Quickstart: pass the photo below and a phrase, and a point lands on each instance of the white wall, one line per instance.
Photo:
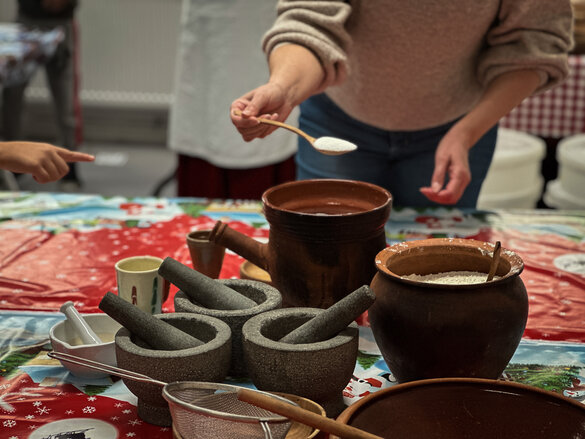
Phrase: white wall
(128, 50)
(127, 69)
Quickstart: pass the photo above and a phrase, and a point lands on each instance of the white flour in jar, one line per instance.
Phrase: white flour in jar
(332, 144)
(450, 277)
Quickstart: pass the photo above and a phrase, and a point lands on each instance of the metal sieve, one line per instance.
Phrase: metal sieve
(204, 410)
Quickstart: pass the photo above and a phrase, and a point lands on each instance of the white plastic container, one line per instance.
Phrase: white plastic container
(568, 190)
(514, 179)
(526, 198)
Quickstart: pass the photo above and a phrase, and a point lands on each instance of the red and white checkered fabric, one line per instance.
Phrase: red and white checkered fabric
(558, 112)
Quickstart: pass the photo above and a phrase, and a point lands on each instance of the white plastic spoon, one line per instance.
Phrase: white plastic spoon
(325, 145)
(87, 335)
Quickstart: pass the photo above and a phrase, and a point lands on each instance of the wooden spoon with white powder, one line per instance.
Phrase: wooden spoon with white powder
(325, 145)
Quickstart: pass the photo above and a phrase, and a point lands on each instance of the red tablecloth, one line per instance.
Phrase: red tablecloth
(55, 248)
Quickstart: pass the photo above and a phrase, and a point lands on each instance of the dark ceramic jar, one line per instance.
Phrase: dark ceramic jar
(427, 330)
(324, 235)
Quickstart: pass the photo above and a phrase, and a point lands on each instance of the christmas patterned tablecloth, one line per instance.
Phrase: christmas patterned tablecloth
(59, 247)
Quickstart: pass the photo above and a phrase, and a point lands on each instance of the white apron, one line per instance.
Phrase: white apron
(219, 59)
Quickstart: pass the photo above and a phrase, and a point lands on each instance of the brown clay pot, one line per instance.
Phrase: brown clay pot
(324, 235)
(448, 408)
(426, 330)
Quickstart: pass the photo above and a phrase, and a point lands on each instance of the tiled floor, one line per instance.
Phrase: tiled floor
(130, 170)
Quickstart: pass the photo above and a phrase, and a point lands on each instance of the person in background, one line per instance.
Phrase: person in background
(419, 86)
(219, 56)
(43, 161)
(62, 78)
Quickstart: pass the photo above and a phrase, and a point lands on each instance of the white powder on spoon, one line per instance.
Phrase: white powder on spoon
(451, 278)
(333, 144)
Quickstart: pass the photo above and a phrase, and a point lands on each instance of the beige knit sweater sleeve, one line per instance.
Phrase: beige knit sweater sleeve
(534, 34)
(317, 25)
(414, 64)
(529, 34)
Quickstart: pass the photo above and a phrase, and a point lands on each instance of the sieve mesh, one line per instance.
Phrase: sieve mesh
(212, 410)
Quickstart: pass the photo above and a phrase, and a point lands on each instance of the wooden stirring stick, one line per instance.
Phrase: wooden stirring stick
(303, 416)
(495, 261)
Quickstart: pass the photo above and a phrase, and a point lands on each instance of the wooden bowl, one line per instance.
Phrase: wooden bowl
(251, 271)
(297, 430)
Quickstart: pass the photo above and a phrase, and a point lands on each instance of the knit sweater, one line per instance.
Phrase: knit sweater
(415, 64)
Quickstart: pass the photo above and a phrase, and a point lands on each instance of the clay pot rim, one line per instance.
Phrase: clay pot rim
(348, 413)
(483, 247)
(123, 338)
(327, 181)
(193, 235)
(254, 324)
(120, 263)
(273, 299)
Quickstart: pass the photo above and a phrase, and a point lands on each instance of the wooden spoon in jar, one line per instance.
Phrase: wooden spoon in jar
(495, 261)
(325, 145)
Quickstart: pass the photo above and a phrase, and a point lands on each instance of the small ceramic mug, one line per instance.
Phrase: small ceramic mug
(140, 284)
(207, 256)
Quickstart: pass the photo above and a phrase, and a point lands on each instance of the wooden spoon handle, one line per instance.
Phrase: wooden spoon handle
(294, 129)
(495, 261)
(303, 416)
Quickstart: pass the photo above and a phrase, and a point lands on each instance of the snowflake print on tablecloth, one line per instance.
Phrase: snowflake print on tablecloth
(9, 423)
(43, 410)
(37, 412)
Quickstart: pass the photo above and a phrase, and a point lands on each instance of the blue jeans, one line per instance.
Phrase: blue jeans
(400, 161)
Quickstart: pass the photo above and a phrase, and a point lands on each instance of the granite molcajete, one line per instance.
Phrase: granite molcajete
(309, 352)
(266, 297)
(231, 300)
(324, 235)
(207, 362)
(201, 351)
(427, 330)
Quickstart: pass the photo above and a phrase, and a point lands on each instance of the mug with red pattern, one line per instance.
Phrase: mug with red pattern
(140, 284)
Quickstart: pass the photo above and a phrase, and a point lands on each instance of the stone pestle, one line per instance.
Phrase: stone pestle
(334, 319)
(202, 289)
(153, 331)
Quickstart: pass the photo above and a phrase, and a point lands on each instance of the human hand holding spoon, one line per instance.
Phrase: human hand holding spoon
(325, 145)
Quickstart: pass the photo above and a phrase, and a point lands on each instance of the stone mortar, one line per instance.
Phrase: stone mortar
(209, 362)
(267, 297)
(318, 371)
